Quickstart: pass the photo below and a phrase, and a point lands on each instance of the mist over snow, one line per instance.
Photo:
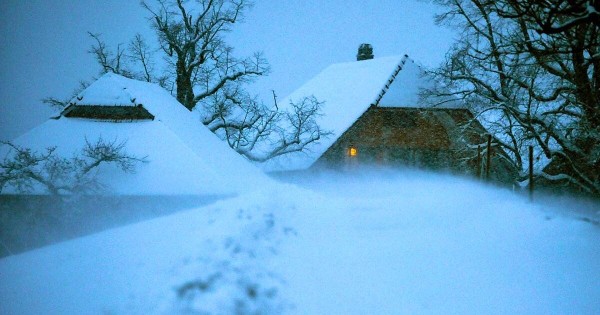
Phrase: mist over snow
(380, 242)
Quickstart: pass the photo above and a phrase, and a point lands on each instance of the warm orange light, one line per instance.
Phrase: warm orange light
(352, 151)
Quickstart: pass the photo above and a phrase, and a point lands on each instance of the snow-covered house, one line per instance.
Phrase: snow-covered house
(372, 109)
(186, 165)
(183, 156)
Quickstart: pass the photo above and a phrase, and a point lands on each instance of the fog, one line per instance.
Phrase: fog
(33, 221)
(373, 182)
(379, 241)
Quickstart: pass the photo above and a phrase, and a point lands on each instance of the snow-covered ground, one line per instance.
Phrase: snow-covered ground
(365, 243)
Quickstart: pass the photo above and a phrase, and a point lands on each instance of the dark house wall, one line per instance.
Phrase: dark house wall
(435, 139)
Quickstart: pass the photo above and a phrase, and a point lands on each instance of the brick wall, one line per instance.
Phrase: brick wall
(433, 139)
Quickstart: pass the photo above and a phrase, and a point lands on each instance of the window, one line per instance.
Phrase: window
(352, 151)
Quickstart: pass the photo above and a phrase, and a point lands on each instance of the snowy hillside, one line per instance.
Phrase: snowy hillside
(386, 243)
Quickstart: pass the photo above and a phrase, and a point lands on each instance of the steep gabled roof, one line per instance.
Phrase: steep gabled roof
(348, 90)
(184, 156)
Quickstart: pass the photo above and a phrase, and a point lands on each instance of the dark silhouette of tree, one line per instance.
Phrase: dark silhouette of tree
(528, 86)
(552, 16)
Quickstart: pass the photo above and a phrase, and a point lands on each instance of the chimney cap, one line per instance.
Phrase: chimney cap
(365, 52)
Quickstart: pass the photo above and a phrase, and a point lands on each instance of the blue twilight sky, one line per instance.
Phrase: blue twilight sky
(45, 43)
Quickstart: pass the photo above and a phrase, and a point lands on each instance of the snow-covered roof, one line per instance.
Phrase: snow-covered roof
(184, 156)
(348, 90)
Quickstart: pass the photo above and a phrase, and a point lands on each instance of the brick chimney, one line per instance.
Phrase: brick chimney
(365, 52)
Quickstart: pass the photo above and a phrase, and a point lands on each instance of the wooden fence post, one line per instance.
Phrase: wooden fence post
(531, 172)
(478, 161)
(489, 158)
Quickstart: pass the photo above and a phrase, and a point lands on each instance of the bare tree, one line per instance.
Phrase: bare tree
(527, 87)
(553, 16)
(61, 104)
(203, 74)
(122, 61)
(276, 132)
(110, 62)
(210, 79)
(24, 169)
(192, 38)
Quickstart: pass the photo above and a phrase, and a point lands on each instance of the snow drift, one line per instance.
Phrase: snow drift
(386, 243)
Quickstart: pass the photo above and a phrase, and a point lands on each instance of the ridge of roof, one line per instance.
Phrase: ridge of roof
(391, 80)
(118, 89)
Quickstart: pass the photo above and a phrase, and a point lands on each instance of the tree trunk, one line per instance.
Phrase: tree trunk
(185, 92)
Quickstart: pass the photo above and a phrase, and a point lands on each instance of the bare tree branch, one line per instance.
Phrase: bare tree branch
(23, 169)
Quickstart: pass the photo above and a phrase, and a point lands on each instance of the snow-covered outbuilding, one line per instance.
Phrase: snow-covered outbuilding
(186, 165)
(373, 110)
(183, 156)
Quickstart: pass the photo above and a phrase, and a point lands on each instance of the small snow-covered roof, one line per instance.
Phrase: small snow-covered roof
(185, 157)
(348, 90)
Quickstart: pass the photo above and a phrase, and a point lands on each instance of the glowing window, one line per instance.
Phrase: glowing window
(352, 151)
